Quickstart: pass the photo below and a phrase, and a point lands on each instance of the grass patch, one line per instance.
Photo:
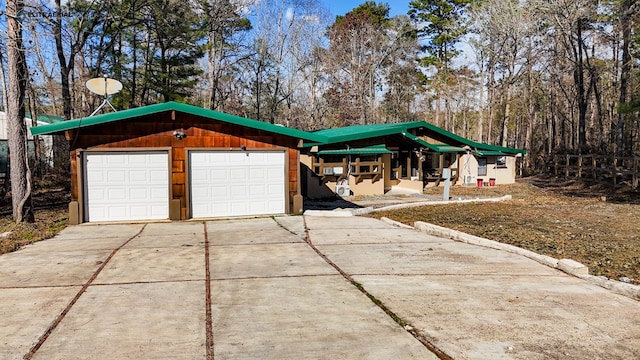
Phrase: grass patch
(48, 223)
(593, 224)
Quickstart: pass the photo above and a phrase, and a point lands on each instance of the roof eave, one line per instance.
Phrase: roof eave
(59, 128)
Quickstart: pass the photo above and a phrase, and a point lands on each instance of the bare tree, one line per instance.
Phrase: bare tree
(88, 15)
(505, 27)
(16, 128)
(225, 22)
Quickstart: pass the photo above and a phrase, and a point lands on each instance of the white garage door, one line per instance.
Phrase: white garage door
(234, 183)
(127, 186)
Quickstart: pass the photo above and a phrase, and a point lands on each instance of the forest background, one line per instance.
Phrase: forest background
(550, 76)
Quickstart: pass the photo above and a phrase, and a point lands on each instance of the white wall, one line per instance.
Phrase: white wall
(503, 175)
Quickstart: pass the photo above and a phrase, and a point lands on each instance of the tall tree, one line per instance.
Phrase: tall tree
(365, 45)
(357, 41)
(178, 33)
(625, 71)
(441, 24)
(224, 23)
(16, 128)
(403, 80)
(81, 17)
(504, 28)
(283, 41)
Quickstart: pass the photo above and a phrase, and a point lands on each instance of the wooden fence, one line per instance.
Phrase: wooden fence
(601, 168)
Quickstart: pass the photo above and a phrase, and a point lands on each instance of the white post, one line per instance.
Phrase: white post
(446, 174)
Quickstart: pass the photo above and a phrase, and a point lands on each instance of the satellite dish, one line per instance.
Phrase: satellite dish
(103, 86)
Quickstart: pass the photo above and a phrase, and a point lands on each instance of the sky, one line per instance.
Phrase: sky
(341, 7)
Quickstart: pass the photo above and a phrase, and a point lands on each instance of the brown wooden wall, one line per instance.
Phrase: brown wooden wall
(156, 132)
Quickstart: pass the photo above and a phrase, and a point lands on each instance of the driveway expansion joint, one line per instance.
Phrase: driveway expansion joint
(209, 316)
(276, 277)
(147, 282)
(418, 335)
(75, 299)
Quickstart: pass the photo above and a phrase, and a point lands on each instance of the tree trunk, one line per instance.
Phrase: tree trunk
(64, 69)
(481, 107)
(507, 115)
(16, 129)
(37, 147)
(580, 87)
(624, 73)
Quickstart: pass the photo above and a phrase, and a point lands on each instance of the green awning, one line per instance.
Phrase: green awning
(444, 148)
(369, 150)
(489, 153)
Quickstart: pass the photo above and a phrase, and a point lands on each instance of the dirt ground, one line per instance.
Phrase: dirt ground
(593, 224)
(51, 216)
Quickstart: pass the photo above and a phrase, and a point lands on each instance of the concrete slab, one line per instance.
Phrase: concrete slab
(149, 265)
(173, 228)
(266, 260)
(293, 224)
(164, 241)
(354, 222)
(99, 231)
(304, 318)
(514, 317)
(370, 236)
(26, 313)
(134, 321)
(35, 266)
(445, 258)
(257, 224)
(61, 244)
(274, 297)
(269, 235)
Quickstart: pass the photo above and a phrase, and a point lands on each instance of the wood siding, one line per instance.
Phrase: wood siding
(156, 132)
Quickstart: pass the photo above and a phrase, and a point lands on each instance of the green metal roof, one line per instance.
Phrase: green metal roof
(444, 148)
(440, 148)
(369, 150)
(359, 132)
(489, 153)
(174, 106)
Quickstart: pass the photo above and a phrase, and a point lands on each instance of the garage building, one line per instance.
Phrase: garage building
(176, 161)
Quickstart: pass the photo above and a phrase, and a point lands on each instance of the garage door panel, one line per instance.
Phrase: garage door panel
(257, 173)
(274, 189)
(139, 176)
(238, 157)
(220, 174)
(200, 175)
(117, 194)
(159, 176)
(115, 159)
(257, 190)
(138, 211)
(239, 183)
(116, 176)
(200, 192)
(237, 174)
(127, 186)
(238, 191)
(139, 194)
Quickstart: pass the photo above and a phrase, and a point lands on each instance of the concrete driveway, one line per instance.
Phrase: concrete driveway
(256, 289)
